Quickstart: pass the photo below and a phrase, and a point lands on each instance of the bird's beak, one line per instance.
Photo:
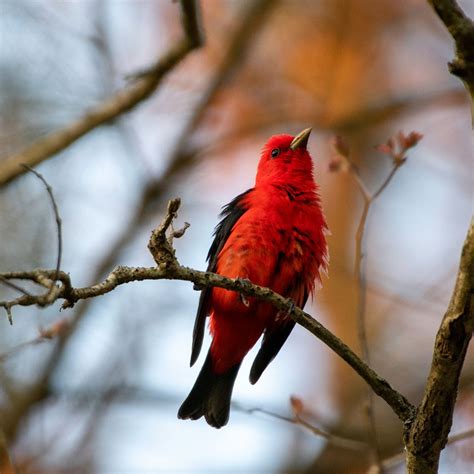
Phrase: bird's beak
(301, 140)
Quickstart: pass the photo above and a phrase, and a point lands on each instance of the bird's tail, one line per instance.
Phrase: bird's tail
(210, 396)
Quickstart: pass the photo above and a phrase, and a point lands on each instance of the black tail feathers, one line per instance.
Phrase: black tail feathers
(210, 396)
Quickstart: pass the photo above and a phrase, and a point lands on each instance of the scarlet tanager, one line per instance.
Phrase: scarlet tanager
(274, 235)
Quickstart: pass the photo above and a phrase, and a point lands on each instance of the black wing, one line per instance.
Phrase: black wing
(230, 214)
(273, 339)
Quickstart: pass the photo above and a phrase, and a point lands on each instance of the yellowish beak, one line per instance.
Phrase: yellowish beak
(301, 140)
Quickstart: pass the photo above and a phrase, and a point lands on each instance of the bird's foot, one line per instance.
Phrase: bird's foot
(291, 306)
(244, 281)
(284, 314)
(243, 298)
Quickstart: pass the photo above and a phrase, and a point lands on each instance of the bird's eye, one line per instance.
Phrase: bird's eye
(275, 152)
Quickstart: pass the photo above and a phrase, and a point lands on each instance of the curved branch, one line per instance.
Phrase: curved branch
(58, 220)
(169, 268)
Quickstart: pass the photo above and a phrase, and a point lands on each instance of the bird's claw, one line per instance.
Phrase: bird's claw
(244, 300)
(243, 282)
(291, 306)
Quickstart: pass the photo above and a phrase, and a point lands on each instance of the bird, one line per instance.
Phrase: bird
(273, 234)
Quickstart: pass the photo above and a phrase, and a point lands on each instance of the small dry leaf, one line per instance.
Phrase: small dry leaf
(296, 405)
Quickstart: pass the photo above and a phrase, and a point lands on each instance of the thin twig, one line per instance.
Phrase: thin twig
(14, 286)
(49, 190)
(461, 436)
(8, 309)
(396, 149)
(15, 350)
(336, 440)
(386, 182)
(359, 271)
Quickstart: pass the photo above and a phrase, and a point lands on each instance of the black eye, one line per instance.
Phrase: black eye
(275, 152)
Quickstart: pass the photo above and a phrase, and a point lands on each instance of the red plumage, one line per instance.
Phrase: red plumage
(273, 235)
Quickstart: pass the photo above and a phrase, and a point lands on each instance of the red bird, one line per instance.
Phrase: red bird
(274, 235)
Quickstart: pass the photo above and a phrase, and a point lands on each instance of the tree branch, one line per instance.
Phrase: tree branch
(57, 217)
(169, 268)
(429, 433)
(123, 101)
(461, 29)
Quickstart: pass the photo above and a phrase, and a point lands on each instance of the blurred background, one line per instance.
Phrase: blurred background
(104, 400)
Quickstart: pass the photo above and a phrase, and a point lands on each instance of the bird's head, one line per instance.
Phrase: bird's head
(285, 159)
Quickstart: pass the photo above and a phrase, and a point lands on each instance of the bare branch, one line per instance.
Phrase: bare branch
(14, 286)
(461, 436)
(123, 101)
(169, 268)
(461, 29)
(429, 433)
(58, 224)
(359, 271)
(336, 440)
